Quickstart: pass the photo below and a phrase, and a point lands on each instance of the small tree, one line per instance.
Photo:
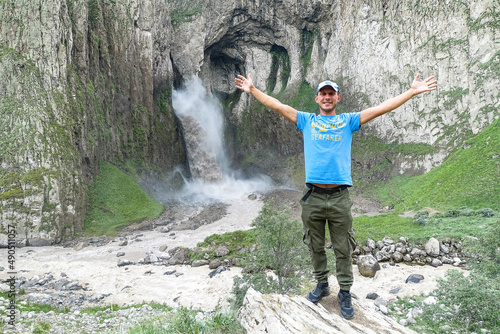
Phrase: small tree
(473, 301)
(280, 249)
(485, 252)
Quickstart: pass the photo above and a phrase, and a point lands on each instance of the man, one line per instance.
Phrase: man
(327, 154)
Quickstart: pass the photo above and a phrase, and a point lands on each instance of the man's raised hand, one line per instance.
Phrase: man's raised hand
(423, 86)
(245, 84)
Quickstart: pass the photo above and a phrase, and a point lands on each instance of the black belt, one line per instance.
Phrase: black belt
(319, 190)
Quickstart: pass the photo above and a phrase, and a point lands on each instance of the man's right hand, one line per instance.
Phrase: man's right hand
(245, 84)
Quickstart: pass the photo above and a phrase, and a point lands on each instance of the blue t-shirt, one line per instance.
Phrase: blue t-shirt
(327, 146)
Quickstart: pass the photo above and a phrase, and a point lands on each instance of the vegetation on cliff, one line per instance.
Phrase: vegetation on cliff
(115, 201)
(468, 177)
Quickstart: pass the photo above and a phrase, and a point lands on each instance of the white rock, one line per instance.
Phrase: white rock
(384, 309)
(431, 300)
(432, 247)
(296, 315)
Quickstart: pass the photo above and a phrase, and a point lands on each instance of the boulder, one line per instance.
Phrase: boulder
(296, 315)
(150, 258)
(397, 257)
(199, 263)
(221, 251)
(181, 256)
(368, 265)
(215, 264)
(414, 278)
(432, 247)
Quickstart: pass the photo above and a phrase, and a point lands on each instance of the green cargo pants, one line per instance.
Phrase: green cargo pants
(334, 209)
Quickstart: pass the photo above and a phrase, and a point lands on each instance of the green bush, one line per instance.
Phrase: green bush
(486, 212)
(280, 250)
(260, 281)
(466, 212)
(421, 218)
(485, 252)
(467, 302)
(186, 321)
(41, 327)
(452, 213)
(280, 246)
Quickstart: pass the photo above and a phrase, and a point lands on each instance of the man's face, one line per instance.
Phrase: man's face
(327, 99)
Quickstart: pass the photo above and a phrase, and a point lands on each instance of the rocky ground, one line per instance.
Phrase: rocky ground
(85, 272)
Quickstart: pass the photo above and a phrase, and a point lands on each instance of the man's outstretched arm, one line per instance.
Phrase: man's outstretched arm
(246, 85)
(417, 87)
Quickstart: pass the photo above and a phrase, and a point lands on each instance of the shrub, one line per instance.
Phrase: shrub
(41, 327)
(466, 212)
(452, 213)
(486, 212)
(472, 301)
(280, 245)
(261, 282)
(281, 257)
(421, 218)
(485, 251)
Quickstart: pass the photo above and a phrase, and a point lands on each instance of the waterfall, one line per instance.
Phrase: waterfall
(203, 124)
(203, 131)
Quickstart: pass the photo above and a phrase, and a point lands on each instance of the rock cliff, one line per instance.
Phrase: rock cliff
(84, 81)
(372, 49)
(80, 82)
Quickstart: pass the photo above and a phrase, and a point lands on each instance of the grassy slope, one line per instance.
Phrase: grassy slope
(468, 177)
(441, 228)
(115, 201)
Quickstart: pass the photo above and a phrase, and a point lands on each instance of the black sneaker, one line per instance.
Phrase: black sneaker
(319, 292)
(346, 309)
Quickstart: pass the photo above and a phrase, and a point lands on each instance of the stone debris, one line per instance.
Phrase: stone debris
(414, 278)
(75, 321)
(434, 252)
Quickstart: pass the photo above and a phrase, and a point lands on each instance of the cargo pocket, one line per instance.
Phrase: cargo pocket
(306, 238)
(352, 241)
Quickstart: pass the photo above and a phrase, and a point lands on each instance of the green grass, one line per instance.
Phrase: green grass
(184, 15)
(184, 321)
(468, 177)
(116, 201)
(234, 241)
(439, 227)
(33, 307)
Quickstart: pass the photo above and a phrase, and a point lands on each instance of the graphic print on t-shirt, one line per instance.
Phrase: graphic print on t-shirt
(318, 131)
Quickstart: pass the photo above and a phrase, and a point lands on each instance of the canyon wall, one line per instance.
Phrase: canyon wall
(372, 49)
(80, 82)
